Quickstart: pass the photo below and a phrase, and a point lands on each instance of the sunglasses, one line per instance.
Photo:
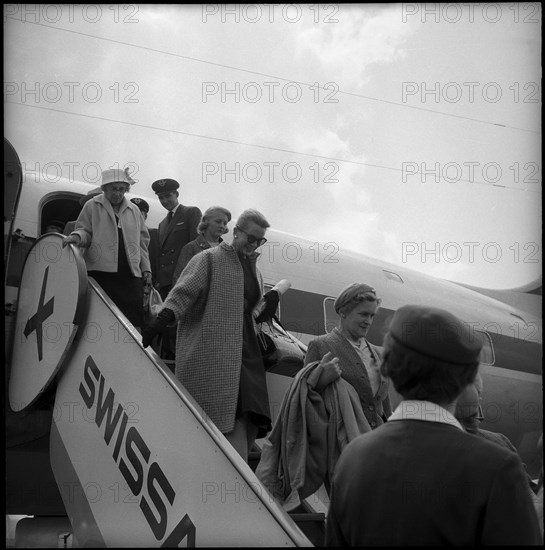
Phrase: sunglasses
(251, 239)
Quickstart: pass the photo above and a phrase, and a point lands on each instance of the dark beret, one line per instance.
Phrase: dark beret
(436, 333)
(165, 186)
(141, 203)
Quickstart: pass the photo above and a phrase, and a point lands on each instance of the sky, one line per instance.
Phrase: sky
(408, 132)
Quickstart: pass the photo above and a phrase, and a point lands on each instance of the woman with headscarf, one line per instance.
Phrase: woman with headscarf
(211, 227)
(114, 235)
(358, 361)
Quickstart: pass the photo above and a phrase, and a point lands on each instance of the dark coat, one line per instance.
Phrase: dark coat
(418, 483)
(188, 251)
(154, 254)
(173, 237)
(355, 373)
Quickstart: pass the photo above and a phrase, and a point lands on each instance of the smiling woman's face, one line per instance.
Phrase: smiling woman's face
(357, 322)
(252, 232)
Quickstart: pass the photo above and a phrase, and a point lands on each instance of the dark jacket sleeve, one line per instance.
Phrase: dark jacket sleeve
(333, 533)
(188, 251)
(510, 517)
(313, 352)
(194, 218)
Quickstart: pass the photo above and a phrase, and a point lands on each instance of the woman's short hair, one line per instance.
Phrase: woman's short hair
(209, 213)
(418, 376)
(252, 215)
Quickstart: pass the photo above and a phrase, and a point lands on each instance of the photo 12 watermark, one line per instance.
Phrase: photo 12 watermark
(471, 172)
(471, 252)
(472, 12)
(71, 92)
(269, 172)
(270, 13)
(50, 14)
(90, 172)
(269, 92)
(470, 92)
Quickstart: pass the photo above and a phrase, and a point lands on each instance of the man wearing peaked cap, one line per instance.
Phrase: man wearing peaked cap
(420, 479)
(177, 229)
(165, 186)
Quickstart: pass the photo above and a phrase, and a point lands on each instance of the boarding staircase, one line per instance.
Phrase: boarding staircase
(134, 459)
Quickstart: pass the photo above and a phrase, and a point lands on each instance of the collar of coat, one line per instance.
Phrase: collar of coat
(203, 243)
(231, 249)
(125, 203)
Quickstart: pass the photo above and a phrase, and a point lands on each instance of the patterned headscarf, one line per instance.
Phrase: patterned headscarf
(350, 292)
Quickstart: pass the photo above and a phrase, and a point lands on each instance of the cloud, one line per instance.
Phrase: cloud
(360, 38)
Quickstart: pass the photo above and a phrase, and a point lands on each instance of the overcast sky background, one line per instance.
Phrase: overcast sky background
(457, 89)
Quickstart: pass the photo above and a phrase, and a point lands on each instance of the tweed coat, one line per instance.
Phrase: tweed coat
(173, 237)
(97, 228)
(208, 302)
(420, 483)
(354, 372)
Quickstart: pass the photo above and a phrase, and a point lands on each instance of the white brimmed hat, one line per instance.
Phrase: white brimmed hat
(114, 175)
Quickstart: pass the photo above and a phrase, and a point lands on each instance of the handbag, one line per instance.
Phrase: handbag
(153, 305)
(281, 352)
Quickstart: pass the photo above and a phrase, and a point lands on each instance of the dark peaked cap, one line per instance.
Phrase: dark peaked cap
(165, 186)
(436, 333)
(141, 203)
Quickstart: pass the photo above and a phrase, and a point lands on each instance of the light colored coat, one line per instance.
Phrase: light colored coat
(208, 302)
(97, 229)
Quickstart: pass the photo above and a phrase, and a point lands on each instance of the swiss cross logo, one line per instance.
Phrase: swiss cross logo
(50, 307)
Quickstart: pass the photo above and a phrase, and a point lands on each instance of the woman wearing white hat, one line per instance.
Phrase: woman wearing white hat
(114, 235)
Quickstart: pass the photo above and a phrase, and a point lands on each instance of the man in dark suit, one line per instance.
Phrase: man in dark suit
(177, 229)
(420, 479)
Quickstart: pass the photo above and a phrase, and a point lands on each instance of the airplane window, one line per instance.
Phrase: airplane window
(331, 318)
(487, 353)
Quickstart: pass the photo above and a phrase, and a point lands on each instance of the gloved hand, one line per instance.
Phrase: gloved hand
(71, 239)
(164, 318)
(272, 298)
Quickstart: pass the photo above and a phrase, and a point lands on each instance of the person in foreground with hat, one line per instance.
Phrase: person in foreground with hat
(420, 479)
(358, 361)
(211, 227)
(114, 234)
(218, 359)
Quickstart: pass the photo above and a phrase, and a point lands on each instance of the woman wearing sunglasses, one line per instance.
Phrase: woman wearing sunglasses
(218, 359)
